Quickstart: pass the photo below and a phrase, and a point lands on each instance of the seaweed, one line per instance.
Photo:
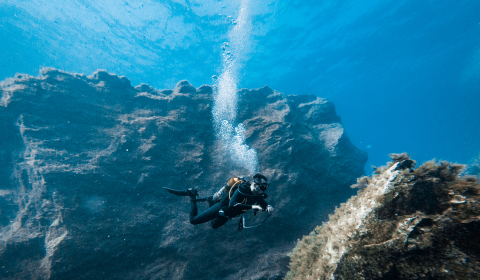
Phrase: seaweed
(404, 222)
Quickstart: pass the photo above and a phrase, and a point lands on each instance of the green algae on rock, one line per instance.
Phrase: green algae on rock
(404, 223)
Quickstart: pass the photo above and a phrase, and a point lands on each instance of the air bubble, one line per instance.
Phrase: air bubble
(225, 88)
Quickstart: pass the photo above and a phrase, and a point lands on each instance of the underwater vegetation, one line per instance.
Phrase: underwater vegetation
(404, 223)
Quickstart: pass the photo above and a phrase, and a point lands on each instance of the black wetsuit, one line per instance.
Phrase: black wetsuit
(242, 200)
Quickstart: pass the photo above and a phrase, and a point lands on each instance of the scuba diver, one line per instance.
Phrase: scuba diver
(232, 200)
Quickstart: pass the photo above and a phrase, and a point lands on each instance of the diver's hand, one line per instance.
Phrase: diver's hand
(257, 207)
(270, 209)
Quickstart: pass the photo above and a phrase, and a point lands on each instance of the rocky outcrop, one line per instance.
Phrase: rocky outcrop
(404, 223)
(85, 159)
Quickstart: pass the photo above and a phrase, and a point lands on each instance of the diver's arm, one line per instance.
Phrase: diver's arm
(257, 207)
(242, 206)
(234, 201)
(262, 203)
(236, 198)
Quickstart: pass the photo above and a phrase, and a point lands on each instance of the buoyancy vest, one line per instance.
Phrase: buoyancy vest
(242, 200)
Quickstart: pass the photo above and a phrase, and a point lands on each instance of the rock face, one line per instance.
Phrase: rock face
(405, 223)
(84, 161)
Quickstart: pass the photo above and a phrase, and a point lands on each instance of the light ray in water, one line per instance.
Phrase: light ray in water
(226, 98)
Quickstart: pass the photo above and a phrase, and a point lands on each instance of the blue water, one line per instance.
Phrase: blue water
(403, 75)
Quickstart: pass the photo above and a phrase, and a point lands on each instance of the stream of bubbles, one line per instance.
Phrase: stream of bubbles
(226, 93)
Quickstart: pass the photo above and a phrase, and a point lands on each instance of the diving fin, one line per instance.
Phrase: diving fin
(187, 192)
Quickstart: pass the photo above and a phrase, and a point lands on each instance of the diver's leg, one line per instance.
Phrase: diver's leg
(218, 222)
(207, 215)
(193, 208)
(210, 201)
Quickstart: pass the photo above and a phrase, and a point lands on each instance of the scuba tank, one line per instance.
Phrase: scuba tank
(225, 190)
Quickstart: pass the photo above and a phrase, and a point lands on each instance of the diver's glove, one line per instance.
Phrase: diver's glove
(257, 207)
(270, 209)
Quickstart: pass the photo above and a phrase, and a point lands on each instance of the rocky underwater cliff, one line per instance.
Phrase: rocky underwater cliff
(404, 223)
(84, 160)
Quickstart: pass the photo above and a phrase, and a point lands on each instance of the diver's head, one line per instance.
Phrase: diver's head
(259, 185)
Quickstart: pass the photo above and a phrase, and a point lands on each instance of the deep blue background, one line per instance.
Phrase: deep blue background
(403, 75)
